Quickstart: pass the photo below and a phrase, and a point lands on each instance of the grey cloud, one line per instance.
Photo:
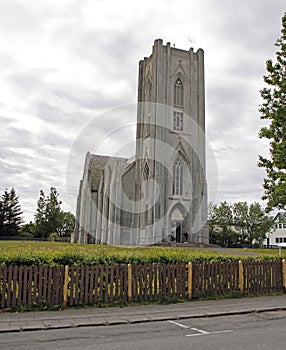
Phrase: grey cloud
(12, 133)
(27, 82)
(48, 112)
(93, 100)
(238, 174)
(113, 52)
(15, 16)
(27, 17)
(250, 22)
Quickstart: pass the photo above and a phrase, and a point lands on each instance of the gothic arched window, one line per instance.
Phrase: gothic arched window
(147, 118)
(146, 171)
(178, 178)
(179, 93)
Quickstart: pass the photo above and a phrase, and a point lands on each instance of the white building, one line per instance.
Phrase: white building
(278, 234)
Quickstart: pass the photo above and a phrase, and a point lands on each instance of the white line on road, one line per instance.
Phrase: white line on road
(179, 324)
(226, 331)
(207, 333)
(200, 331)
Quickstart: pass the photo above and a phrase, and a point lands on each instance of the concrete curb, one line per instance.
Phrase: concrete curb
(144, 319)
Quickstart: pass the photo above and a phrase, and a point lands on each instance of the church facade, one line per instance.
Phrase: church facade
(161, 194)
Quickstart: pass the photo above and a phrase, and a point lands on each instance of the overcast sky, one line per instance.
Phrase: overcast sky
(63, 63)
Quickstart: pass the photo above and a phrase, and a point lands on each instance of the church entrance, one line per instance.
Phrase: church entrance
(176, 229)
(179, 232)
(176, 226)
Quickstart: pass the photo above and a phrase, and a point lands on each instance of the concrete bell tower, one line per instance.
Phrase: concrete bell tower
(170, 147)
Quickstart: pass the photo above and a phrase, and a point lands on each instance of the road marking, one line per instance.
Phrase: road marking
(207, 333)
(226, 331)
(200, 331)
(179, 324)
(187, 327)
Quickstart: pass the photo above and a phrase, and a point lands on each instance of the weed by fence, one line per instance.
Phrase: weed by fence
(122, 284)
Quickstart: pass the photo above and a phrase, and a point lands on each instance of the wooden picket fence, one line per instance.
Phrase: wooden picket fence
(218, 278)
(151, 282)
(105, 284)
(24, 285)
(263, 276)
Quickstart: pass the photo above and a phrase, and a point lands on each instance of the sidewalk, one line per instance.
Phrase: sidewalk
(92, 317)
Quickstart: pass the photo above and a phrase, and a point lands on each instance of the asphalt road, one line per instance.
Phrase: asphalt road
(253, 331)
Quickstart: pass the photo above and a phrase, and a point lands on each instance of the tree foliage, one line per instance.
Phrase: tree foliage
(10, 213)
(40, 216)
(273, 109)
(49, 217)
(67, 224)
(238, 224)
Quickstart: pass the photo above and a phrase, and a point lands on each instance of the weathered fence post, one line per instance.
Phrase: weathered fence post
(190, 280)
(66, 281)
(284, 274)
(241, 279)
(129, 282)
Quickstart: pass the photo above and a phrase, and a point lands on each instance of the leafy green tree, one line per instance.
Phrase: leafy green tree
(240, 219)
(273, 109)
(10, 213)
(238, 224)
(48, 213)
(49, 217)
(1, 216)
(40, 216)
(67, 224)
(212, 223)
(221, 225)
(225, 219)
(53, 213)
(258, 223)
(28, 229)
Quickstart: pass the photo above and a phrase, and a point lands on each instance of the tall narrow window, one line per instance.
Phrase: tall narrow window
(148, 110)
(178, 93)
(178, 103)
(178, 178)
(146, 171)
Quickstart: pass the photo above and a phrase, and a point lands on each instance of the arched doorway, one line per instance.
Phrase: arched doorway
(177, 219)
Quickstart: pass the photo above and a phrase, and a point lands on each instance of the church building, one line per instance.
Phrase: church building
(160, 195)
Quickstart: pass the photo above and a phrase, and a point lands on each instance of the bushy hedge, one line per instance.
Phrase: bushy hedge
(31, 253)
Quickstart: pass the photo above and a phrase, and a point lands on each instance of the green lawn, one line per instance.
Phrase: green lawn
(262, 251)
(55, 253)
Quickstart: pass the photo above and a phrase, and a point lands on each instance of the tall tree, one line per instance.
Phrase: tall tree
(220, 223)
(274, 110)
(258, 224)
(1, 216)
(10, 213)
(40, 216)
(240, 220)
(49, 217)
(225, 218)
(53, 211)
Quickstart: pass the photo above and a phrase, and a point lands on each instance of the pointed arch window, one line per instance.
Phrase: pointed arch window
(178, 178)
(146, 171)
(179, 93)
(148, 98)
